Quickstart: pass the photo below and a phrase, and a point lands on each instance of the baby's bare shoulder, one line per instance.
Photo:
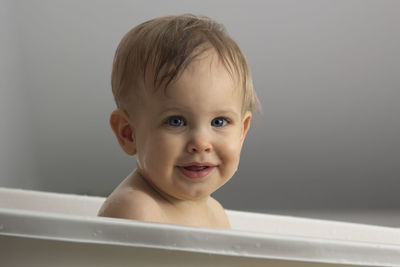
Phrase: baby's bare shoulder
(219, 214)
(132, 204)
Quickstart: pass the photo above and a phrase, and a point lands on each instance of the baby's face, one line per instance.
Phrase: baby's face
(188, 140)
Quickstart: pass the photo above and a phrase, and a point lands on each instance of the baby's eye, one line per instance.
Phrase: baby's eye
(176, 121)
(219, 122)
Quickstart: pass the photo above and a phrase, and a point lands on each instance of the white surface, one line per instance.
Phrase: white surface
(55, 217)
(382, 217)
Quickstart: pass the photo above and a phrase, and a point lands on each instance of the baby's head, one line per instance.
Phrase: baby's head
(185, 96)
(155, 53)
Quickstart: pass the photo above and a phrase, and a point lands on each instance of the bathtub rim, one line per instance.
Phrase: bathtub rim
(77, 213)
(112, 231)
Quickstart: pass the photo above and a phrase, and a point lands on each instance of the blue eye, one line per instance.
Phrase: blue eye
(219, 122)
(176, 121)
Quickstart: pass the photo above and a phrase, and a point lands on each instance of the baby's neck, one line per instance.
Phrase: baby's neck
(177, 211)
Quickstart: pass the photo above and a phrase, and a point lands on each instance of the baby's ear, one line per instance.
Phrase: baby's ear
(124, 131)
(246, 124)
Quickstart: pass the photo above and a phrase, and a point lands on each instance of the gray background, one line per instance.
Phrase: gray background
(327, 74)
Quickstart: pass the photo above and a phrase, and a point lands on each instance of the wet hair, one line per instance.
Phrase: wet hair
(160, 49)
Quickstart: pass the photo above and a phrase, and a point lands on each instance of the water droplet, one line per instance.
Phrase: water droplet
(1, 227)
(97, 232)
(258, 245)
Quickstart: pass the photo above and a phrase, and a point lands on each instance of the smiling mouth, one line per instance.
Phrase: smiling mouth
(196, 168)
(196, 172)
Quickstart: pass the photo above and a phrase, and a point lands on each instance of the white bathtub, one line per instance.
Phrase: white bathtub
(51, 229)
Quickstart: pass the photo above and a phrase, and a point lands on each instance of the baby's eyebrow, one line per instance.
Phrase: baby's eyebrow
(172, 109)
(228, 111)
(183, 109)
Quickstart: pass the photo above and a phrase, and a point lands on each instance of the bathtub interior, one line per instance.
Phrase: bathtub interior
(253, 235)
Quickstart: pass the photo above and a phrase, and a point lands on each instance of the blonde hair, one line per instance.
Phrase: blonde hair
(165, 46)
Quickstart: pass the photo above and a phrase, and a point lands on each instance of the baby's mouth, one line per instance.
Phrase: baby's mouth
(196, 168)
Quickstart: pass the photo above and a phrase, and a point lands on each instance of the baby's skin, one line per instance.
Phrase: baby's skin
(137, 199)
(187, 142)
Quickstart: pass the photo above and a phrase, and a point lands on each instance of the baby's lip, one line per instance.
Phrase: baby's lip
(200, 164)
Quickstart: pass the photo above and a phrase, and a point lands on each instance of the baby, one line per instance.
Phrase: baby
(185, 100)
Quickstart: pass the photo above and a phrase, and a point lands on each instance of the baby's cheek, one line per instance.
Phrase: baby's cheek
(165, 150)
(149, 153)
(231, 152)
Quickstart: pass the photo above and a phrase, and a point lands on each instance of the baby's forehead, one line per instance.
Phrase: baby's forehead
(161, 76)
(208, 65)
(194, 82)
(160, 101)
(183, 93)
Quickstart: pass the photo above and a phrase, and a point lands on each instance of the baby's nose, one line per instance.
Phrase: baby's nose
(199, 143)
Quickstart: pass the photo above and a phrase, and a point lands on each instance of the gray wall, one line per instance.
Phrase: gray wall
(326, 72)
